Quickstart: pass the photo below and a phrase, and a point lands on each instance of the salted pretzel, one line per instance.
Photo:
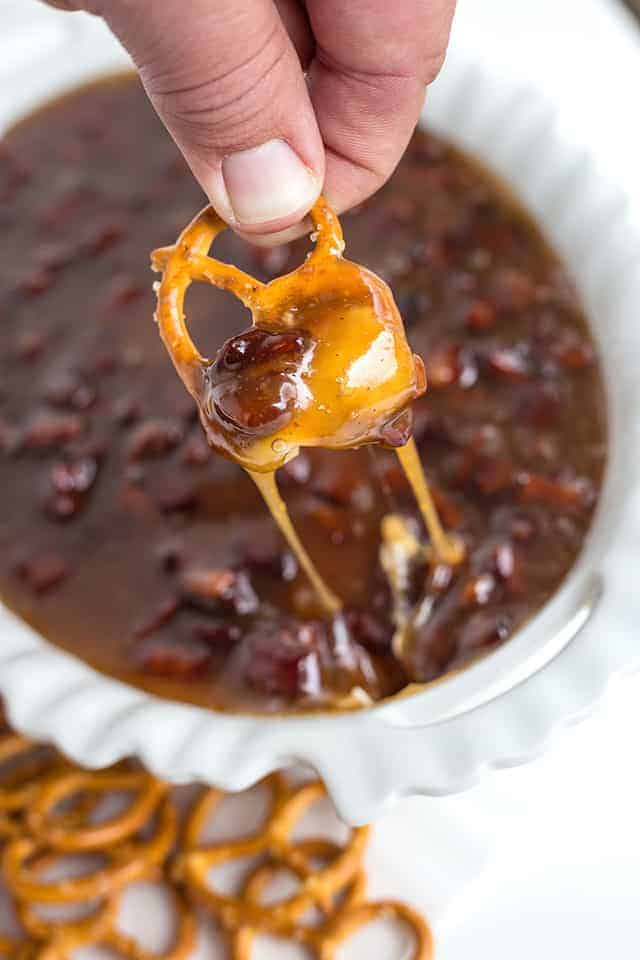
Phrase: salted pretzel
(274, 841)
(325, 363)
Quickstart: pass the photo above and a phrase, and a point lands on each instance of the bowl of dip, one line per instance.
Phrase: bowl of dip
(143, 603)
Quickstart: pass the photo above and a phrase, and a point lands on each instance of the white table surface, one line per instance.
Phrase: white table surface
(563, 846)
(543, 860)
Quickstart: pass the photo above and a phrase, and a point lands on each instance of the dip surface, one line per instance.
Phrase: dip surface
(126, 541)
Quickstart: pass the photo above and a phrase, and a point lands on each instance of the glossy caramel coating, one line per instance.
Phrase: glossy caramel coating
(325, 364)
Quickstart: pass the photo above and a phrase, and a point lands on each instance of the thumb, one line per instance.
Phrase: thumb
(227, 82)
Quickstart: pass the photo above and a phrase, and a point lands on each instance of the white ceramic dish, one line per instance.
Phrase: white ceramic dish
(506, 708)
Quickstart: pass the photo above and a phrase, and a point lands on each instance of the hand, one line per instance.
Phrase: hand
(228, 80)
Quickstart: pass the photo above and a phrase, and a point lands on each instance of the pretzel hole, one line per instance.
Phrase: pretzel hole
(229, 878)
(238, 815)
(213, 315)
(144, 899)
(9, 924)
(68, 867)
(20, 770)
(94, 808)
(383, 938)
(59, 913)
(282, 885)
(111, 806)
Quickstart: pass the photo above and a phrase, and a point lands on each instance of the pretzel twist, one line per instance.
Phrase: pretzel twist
(274, 842)
(187, 260)
(56, 820)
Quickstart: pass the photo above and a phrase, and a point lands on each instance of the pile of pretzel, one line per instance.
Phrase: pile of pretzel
(51, 811)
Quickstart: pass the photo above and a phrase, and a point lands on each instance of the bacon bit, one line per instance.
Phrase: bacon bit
(164, 657)
(123, 290)
(162, 615)
(493, 475)
(71, 482)
(47, 430)
(428, 425)
(170, 556)
(75, 477)
(54, 256)
(29, 345)
(485, 629)
(499, 559)
(70, 391)
(219, 637)
(103, 237)
(480, 315)
(542, 404)
(126, 411)
(154, 438)
(433, 650)
(195, 452)
(283, 661)
(512, 290)
(44, 571)
(104, 363)
(479, 590)
(572, 351)
(443, 365)
(219, 587)
(268, 557)
(369, 630)
(576, 495)
(510, 363)
(37, 282)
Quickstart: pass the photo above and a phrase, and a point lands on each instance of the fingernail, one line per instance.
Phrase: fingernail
(278, 237)
(268, 183)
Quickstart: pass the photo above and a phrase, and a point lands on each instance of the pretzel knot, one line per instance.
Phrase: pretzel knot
(273, 841)
(325, 363)
(342, 914)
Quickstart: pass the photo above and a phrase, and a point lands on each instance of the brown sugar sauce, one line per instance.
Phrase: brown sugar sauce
(125, 540)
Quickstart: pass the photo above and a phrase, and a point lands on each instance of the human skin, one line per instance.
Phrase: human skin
(272, 101)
